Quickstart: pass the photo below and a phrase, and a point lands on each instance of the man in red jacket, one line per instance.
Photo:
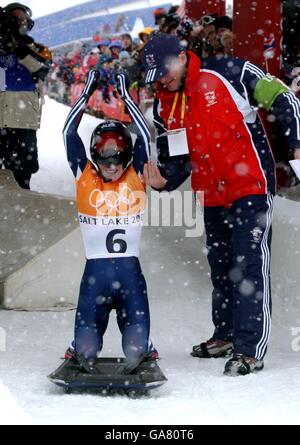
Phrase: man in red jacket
(206, 117)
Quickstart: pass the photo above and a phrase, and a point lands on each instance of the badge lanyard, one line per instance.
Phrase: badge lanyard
(177, 138)
(182, 113)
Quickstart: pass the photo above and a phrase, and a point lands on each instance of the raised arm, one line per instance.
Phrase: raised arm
(141, 151)
(74, 146)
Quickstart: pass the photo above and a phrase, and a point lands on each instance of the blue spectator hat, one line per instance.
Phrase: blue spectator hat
(115, 44)
(124, 55)
(104, 43)
(158, 54)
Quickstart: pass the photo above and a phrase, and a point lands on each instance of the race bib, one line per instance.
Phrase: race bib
(295, 164)
(106, 237)
(110, 215)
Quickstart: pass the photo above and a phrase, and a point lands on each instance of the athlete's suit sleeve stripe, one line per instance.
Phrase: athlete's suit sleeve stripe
(254, 70)
(73, 144)
(294, 102)
(136, 115)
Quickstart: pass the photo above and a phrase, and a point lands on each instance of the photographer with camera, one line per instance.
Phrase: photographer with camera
(24, 65)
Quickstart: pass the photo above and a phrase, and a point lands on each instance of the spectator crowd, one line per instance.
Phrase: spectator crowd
(211, 35)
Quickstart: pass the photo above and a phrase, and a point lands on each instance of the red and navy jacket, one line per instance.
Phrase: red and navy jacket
(229, 154)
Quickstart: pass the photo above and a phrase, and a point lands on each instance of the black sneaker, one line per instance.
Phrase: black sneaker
(86, 364)
(241, 364)
(134, 363)
(73, 357)
(213, 349)
(69, 354)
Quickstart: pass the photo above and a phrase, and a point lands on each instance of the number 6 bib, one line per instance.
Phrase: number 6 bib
(111, 214)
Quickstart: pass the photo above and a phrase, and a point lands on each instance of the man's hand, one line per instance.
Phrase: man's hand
(152, 176)
(297, 153)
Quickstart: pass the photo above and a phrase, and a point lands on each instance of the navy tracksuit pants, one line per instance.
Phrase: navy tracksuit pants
(19, 153)
(112, 283)
(239, 244)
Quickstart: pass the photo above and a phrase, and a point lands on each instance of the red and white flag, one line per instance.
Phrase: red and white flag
(181, 10)
(269, 46)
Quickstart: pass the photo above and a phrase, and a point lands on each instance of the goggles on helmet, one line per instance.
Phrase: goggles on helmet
(110, 156)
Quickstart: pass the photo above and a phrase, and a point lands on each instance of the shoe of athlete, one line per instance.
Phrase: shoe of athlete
(73, 357)
(213, 348)
(241, 364)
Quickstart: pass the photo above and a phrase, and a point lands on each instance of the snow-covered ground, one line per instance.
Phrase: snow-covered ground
(179, 293)
(54, 176)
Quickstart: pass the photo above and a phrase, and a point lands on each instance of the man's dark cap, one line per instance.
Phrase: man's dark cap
(223, 22)
(172, 21)
(159, 13)
(158, 54)
(8, 9)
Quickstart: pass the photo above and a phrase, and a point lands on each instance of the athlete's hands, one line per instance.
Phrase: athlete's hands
(92, 83)
(152, 176)
(122, 84)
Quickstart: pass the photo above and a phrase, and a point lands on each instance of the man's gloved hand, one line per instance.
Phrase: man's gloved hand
(92, 83)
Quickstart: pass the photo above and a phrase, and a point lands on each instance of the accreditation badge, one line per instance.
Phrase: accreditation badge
(295, 164)
(177, 140)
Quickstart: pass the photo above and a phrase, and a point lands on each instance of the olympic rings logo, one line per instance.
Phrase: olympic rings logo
(121, 203)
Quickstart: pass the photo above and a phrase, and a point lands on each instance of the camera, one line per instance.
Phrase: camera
(4, 32)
